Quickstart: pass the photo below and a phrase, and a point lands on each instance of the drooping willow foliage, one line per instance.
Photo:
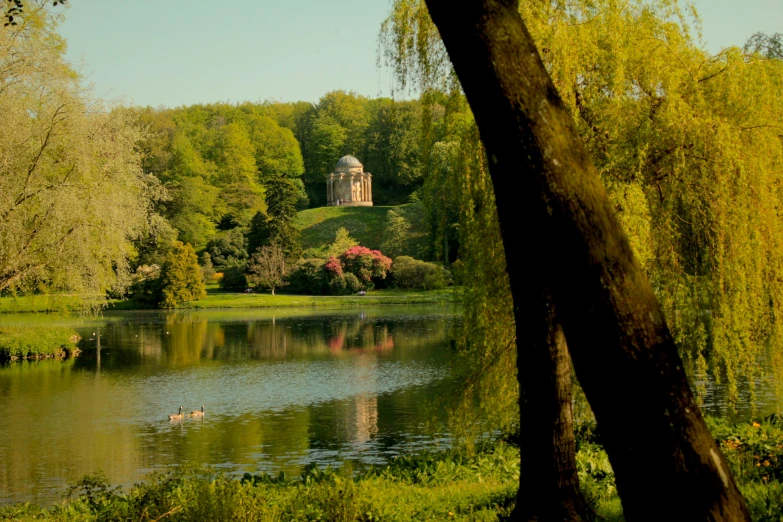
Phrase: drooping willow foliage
(690, 148)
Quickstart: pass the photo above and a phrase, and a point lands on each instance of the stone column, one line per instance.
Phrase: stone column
(369, 182)
(364, 188)
(329, 190)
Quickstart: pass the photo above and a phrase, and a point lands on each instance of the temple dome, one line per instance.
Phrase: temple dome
(348, 161)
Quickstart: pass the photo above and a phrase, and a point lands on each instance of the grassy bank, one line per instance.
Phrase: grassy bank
(365, 224)
(37, 342)
(442, 486)
(445, 486)
(216, 299)
(40, 303)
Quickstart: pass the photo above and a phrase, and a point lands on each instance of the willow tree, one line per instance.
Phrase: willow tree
(459, 196)
(72, 193)
(675, 135)
(687, 145)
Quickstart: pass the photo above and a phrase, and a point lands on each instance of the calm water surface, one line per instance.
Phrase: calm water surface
(280, 389)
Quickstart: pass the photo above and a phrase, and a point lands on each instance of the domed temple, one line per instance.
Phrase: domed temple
(349, 185)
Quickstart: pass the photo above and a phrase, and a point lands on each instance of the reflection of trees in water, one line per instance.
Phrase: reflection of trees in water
(61, 444)
(186, 338)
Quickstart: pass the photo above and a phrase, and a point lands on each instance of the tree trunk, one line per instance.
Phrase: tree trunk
(548, 482)
(273, 290)
(666, 463)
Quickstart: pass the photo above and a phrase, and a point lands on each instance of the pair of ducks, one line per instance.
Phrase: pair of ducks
(194, 413)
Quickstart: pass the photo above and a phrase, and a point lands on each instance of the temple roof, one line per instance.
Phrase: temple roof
(348, 161)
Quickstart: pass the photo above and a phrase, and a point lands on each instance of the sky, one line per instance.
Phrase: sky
(181, 52)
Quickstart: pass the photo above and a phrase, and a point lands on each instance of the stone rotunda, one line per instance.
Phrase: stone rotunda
(349, 185)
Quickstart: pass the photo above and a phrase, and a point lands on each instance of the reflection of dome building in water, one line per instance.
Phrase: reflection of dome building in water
(349, 185)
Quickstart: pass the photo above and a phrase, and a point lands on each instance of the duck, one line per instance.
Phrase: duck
(176, 416)
(197, 413)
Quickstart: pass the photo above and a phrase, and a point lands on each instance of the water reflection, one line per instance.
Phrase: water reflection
(279, 390)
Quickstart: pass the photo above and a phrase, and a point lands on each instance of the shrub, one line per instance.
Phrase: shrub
(365, 264)
(308, 277)
(352, 283)
(415, 274)
(233, 278)
(180, 277)
(337, 286)
(145, 288)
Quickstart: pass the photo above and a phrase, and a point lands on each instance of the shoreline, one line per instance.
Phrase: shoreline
(226, 300)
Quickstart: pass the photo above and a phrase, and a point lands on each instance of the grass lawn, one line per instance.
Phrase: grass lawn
(216, 299)
(365, 224)
(40, 303)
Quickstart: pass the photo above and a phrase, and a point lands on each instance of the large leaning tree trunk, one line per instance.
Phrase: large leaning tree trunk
(558, 225)
(548, 480)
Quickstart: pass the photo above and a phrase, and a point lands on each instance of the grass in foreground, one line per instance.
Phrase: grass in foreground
(445, 486)
(441, 486)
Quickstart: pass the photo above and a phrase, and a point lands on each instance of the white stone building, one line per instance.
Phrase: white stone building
(349, 185)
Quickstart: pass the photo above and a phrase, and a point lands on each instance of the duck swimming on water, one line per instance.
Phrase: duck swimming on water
(176, 416)
(197, 413)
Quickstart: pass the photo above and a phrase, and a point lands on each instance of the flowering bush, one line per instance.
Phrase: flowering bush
(334, 267)
(365, 264)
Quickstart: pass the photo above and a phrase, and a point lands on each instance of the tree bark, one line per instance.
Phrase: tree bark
(548, 481)
(666, 463)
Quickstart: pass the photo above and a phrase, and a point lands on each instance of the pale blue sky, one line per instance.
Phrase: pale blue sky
(175, 52)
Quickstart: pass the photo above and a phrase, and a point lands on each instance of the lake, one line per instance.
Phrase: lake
(280, 389)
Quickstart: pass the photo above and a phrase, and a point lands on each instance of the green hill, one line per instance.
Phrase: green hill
(365, 224)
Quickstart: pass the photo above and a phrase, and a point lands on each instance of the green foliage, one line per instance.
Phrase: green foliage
(396, 234)
(36, 341)
(308, 277)
(216, 160)
(73, 196)
(352, 283)
(337, 285)
(259, 233)
(342, 242)
(233, 278)
(145, 288)
(228, 248)
(407, 272)
(281, 209)
(181, 279)
(207, 270)
(267, 268)
(442, 486)
(686, 143)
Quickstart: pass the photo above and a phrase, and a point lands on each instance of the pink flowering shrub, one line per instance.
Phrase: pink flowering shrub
(365, 264)
(333, 267)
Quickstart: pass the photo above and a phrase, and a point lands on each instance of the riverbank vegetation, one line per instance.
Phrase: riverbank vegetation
(37, 342)
(448, 485)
